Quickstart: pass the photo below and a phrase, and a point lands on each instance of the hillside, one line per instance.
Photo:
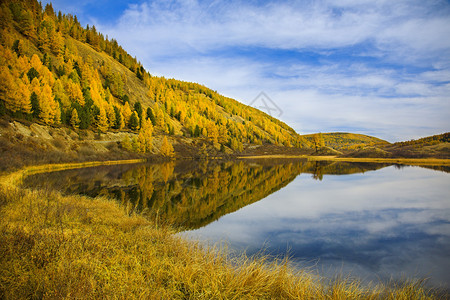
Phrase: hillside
(69, 93)
(55, 73)
(363, 146)
(436, 146)
(346, 141)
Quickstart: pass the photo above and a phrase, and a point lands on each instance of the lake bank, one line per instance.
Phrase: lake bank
(74, 246)
(403, 161)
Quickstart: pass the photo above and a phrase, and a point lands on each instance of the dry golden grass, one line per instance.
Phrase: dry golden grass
(54, 246)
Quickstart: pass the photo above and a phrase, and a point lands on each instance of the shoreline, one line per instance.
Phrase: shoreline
(65, 227)
(403, 161)
(15, 178)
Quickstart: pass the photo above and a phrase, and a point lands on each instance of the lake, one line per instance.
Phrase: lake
(376, 222)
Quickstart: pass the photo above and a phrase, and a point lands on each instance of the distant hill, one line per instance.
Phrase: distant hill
(364, 146)
(346, 141)
(426, 141)
(436, 146)
(57, 73)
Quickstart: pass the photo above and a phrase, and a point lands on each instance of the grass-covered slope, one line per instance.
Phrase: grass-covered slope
(363, 146)
(347, 141)
(437, 146)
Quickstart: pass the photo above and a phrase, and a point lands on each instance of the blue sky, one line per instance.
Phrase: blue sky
(373, 67)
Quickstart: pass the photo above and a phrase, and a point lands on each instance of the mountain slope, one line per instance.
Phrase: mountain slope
(346, 141)
(55, 72)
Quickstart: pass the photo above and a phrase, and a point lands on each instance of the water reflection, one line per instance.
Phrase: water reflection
(189, 194)
(390, 223)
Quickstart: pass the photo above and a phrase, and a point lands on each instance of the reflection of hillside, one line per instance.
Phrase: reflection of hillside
(190, 194)
(320, 168)
(197, 198)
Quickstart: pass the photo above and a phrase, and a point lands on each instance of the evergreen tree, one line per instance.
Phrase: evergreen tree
(151, 116)
(35, 110)
(134, 121)
(197, 131)
(32, 73)
(118, 121)
(139, 111)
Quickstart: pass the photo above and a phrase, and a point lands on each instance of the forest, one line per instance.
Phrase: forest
(55, 72)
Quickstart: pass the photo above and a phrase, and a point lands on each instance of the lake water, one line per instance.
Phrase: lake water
(371, 221)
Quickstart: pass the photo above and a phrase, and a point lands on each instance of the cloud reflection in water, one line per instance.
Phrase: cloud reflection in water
(377, 225)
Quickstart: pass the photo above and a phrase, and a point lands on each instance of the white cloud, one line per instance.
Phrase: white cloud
(381, 64)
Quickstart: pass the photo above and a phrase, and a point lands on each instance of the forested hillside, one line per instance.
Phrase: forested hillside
(53, 71)
(344, 140)
(427, 141)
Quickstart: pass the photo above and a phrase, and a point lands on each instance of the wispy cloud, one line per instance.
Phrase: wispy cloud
(379, 67)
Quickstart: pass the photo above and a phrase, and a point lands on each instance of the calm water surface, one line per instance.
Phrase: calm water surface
(371, 221)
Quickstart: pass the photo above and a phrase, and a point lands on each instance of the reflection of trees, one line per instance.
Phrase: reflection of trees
(193, 194)
(318, 170)
(193, 199)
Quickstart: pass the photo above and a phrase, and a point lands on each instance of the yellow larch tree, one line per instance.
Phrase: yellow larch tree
(14, 91)
(23, 95)
(75, 120)
(7, 88)
(102, 120)
(56, 43)
(50, 112)
(36, 63)
(74, 92)
(46, 76)
(60, 93)
(145, 136)
(159, 116)
(126, 112)
(22, 65)
(213, 133)
(109, 108)
(44, 40)
(167, 148)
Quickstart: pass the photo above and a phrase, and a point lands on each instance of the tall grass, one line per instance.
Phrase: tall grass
(55, 246)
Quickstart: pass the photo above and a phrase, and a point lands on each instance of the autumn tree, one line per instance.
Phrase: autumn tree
(167, 148)
(145, 136)
(50, 112)
(102, 120)
(75, 120)
(126, 112)
(138, 109)
(14, 91)
(318, 141)
(126, 143)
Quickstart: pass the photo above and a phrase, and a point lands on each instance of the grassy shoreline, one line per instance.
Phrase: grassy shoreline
(404, 161)
(55, 246)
